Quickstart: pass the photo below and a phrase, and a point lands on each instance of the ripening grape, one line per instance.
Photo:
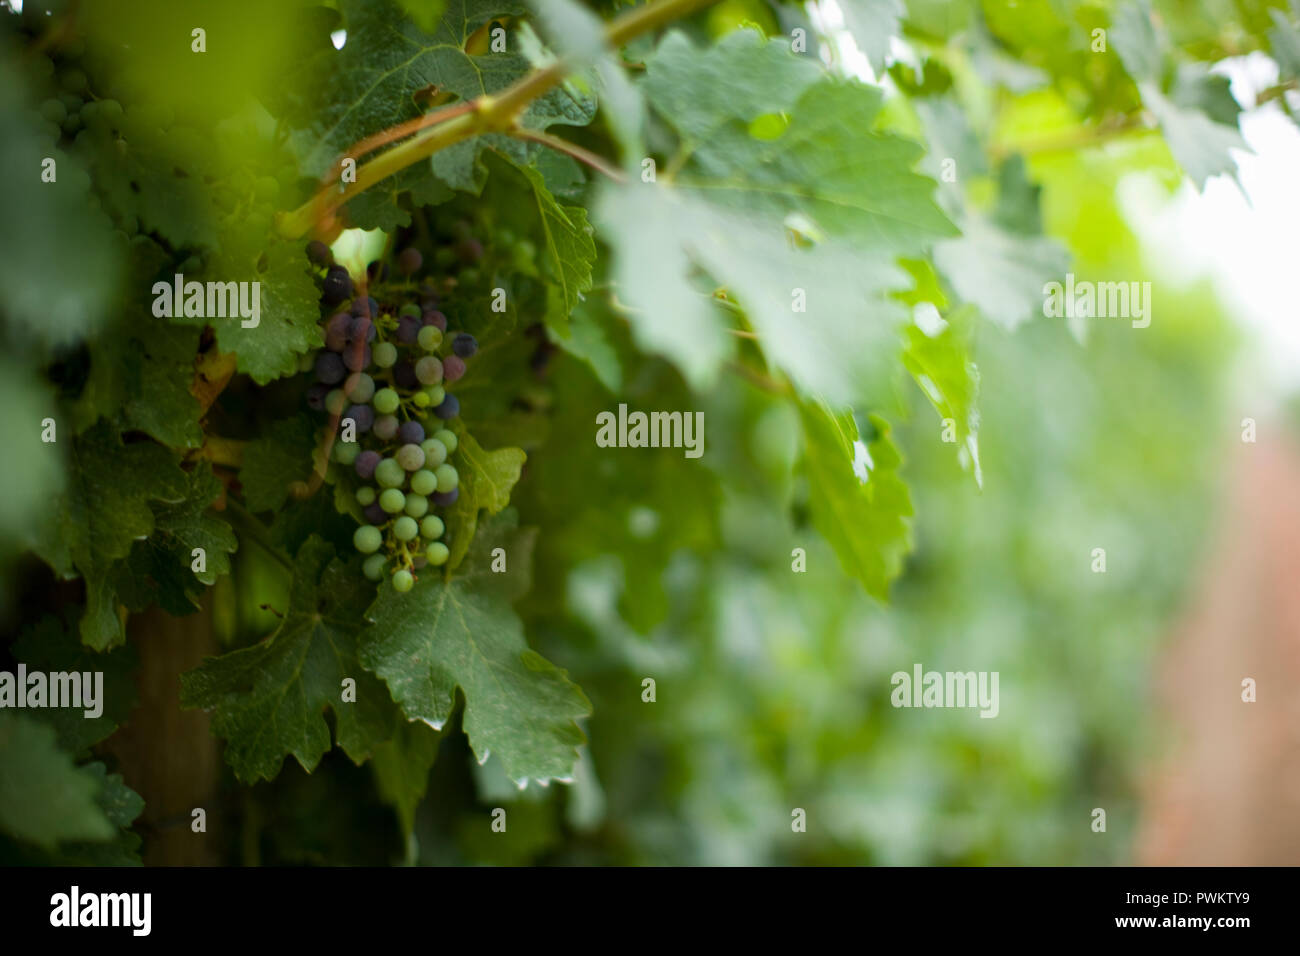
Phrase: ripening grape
(365, 306)
(366, 464)
(464, 345)
(335, 401)
(438, 553)
(346, 452)
(435, 395)
(368, 538)
(409, 311)
(374, 514)
(336, 331)
(386, 401)
(360, 387)
(417, 506)
(411, 433)
(389, 474)
(430, 338)
(365, 495)
(429, 370)
(449, 408)
(435, 452)
(385, 354)
(445, 499)
(448, 477)
(434, 318)
(402, 581)
(338, 285)
(392, 500)
(448, 439)
(432, 527)
(405, 528)
(408, 330)
(411, 458)
(361, 328)
(385, 427)
(469, 251)
(409, 261)
(330, 369)
(319, 253)
(373, 566)
(363, 415)
(453, 367)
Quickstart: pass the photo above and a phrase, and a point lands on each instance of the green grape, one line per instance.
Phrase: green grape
(392, 500)
(368, 538)
(345, 452)
(389, 474)
(421, 400)
(438, 553)
(416, 506)
(448, 438)
(448, 478)
(56, 113)
(335, 401)
(424, 481)
(410, 457)
(432, 527)
(373, 566)
(436, 394)
(363, 387)
(435, 453)
(410, 310)
(405, 528)
(430, 337)
(384, 354)
(402, 581)
(386, 401)
(366, 495)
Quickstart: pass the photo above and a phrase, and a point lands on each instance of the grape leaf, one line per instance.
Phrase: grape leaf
(486, 478)
(44, 798)
(272, 463)
(873, 23)
(402, 767)
(1135, 39)
(26, 501)
(102, 511)
(51, 645)
(858, 501)
(941, 365)
(268, 700)
(380, 206)
(1198, 143)
(462, 632)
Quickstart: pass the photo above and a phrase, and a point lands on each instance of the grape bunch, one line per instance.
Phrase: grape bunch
(384, 372)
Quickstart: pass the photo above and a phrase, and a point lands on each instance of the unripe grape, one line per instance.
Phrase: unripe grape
(385, 427)
(365, 495)
(432, 527)
(449, 408)
(436, 395)
(359, 387)
(416, 506)
(389, 474)
(392, 500)
(429, 370)
(335, 401)
(453, 367)
(366, 464)
(368, 538)
(411, 457)
(435, 453)
(411, 432)
(385, 354)
(405, 528)
(373, 566)
(448, 439)
(402, 581)
(438, 554)
(448, 477)
(424, 482)
(409, 311)
(430, 338)
(421, 400)
(346, 452)
(386, 401)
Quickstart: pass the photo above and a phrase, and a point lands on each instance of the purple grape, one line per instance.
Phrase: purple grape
(464, 345)
(319, 253)
(366, 306)
(357, 359)
(435, 318)
(316, 397)
(445, 498)
(361, 326)
(330, 368)
(338, 285)
(411, 433)
(404, 375)
(449, 408)
(453, 367)
(469, 251)
(375, 514)
(366, 463)
(408, 330)
(336, 331)
(409, 261)
(363, 415)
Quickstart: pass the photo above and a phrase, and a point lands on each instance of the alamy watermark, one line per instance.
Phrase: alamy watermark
(1103, 300)
(923, 688)
(655, 430)
(56, 689)
(208, 300)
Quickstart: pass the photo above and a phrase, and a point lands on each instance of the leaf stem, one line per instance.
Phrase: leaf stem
(598, 163)
(255, 530)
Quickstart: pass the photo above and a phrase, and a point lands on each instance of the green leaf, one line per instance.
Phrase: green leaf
(941, 365)
(51, 645)
(873, 23)
(859, 503)
(274, 462)
(44, 798)
(425, 14)
(570, 251)
(1198, 143)
(402, 767)
(1134, 37)
(463, 633)
(381, 207)
(268, 700)
(486, 478)
(28, 490)
(102, 511)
